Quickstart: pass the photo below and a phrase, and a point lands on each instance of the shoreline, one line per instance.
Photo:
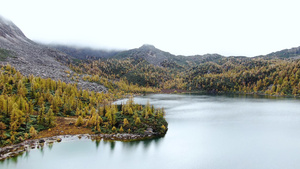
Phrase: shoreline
(171, 91)
(27, 145)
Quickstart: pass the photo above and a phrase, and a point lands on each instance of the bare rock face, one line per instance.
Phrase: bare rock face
(147, 52)
(32, 58)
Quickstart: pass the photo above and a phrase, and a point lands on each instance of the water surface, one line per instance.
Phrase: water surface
(209, 132)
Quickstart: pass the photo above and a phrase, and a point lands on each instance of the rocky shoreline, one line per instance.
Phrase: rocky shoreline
(17, 149)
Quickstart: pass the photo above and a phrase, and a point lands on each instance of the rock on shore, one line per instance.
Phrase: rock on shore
(14, 150)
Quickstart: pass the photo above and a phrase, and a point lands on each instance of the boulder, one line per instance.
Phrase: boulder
(150, 130)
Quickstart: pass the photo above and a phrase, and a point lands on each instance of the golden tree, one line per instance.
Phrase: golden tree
(79, 121)
(32, 132)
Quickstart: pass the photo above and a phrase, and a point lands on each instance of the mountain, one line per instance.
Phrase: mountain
(293, 53)
(31, 58)
(149, 53)
(157, 57)
(85, 53)
(161, 58)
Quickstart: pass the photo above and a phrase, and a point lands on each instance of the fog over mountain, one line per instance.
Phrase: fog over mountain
(32, 58)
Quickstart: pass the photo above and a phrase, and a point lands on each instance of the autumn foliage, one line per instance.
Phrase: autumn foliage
(31, 104)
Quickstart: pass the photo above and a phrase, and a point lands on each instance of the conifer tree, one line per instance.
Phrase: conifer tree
(27, 118)
(78, 112)
(100, 120)
(32, 132)
(125, 122)
(16, 117)
(79, 121)
(50, 118)
(93, 111)
(137, 121)
(2, 130)
(121, 129)
(130, 111)
(135, 115)
(40, 101)
(41, 116)
(114, 129)
(98, 127)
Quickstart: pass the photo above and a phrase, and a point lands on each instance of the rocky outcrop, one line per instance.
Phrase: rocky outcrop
(14, 150)
(39, 60)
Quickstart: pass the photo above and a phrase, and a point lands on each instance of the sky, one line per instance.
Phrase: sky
(186, 27)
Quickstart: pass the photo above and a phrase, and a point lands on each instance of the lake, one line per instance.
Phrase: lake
(209, 132)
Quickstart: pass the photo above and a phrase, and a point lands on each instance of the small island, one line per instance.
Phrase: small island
(35, 110)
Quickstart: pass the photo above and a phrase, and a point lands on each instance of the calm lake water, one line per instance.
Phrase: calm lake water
(209, 132)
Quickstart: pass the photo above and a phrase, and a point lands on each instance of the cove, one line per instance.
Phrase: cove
(205, 131)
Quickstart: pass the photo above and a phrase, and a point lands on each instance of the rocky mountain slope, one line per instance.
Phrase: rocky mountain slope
(31, 58)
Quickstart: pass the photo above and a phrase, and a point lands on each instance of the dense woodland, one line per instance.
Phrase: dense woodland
(228, 74)
(133, 72)
(271, 77)
(32, 104)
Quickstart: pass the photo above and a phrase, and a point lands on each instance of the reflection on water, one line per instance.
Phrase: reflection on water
(97, 143)
(50, 145)
(41, 148)
(220, 131)
(128, 145)
(144, 144)
(112, 145)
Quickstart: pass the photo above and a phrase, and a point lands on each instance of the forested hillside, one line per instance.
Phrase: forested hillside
(272, 77)
(31, 104)
(272, 74)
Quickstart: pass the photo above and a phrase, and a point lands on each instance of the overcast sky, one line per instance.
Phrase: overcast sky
(187, 27)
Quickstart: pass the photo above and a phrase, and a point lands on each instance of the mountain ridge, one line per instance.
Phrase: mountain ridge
(293, 53)
(157, 57)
